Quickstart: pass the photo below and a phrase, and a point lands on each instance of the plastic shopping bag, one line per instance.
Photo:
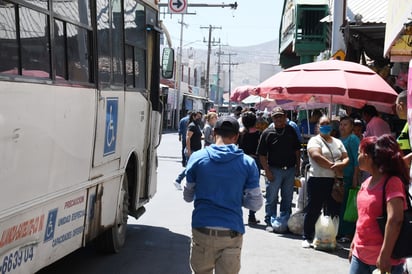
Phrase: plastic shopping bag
(351, 210)
(326, 229)
(295, 222)
(280, 223)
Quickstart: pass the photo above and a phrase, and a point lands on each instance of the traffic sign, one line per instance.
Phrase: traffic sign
(177, 6)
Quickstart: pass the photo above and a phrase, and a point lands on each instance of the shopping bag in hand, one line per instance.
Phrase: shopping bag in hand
(351, 210)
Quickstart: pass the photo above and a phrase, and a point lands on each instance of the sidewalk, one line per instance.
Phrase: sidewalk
(265, 252)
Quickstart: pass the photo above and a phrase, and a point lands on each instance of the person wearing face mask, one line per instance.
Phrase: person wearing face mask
(193, 142)
(327, 158)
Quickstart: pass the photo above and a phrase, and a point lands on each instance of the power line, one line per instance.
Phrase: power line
(223, 5)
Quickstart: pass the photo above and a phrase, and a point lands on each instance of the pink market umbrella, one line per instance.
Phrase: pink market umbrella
(330, 81)
(290, 105)
(270, 104)
(240, 93)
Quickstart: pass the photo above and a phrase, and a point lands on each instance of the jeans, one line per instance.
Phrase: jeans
(284, 179)
(319, 195)
(184, 160)
(181, 176)
(358, 267)
(346, 228)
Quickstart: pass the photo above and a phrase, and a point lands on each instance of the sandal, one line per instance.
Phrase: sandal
(344, 240)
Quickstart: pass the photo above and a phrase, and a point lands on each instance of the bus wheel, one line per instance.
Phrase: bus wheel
(113, 239)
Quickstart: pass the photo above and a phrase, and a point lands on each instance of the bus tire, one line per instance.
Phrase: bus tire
(113, 239)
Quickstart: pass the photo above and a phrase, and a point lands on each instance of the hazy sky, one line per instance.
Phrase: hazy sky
(253, 22)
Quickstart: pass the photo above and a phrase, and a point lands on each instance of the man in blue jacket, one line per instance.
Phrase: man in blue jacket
(220, 180)
(182, 135)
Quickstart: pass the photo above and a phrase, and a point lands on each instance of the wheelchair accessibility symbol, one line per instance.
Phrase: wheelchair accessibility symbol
(111, 126)
(50, 225)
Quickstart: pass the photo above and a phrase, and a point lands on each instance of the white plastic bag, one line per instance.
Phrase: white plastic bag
(295, 222)
(326, 230)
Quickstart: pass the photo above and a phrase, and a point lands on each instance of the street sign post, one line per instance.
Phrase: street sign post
(177, 6)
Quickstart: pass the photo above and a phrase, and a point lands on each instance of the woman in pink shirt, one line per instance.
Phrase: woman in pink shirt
(382, 158)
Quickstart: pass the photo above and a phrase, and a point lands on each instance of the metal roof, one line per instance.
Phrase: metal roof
(372, 11)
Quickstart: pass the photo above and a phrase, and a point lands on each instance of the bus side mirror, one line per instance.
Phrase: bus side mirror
(168, 60)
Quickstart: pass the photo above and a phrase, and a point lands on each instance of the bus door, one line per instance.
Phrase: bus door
(110, 106)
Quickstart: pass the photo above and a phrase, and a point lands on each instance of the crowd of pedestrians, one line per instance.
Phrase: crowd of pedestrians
(358, 149)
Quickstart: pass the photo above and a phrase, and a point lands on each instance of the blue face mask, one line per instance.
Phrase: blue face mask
(325, 129)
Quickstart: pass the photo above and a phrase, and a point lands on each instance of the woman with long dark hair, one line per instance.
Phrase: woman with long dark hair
(193, 142)
(369, 250)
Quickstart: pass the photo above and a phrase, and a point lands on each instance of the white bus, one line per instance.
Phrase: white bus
(80, 120)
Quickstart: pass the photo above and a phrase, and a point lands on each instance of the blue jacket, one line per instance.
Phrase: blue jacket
(183, 127)
(221, 179)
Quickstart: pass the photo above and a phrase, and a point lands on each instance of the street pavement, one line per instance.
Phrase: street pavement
(159, 241)
(262, 252)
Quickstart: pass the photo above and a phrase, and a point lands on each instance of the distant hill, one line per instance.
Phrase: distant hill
(252, 64)
(266, 53)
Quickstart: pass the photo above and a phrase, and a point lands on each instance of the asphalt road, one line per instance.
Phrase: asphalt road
(159, 242)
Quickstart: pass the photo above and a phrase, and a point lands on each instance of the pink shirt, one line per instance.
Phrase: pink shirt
(377, 127)
(368, 238)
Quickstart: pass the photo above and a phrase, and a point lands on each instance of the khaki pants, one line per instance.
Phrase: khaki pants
(219, 253)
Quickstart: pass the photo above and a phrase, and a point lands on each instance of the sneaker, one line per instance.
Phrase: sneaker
(269, 228)
(306, 244)
(177, 185)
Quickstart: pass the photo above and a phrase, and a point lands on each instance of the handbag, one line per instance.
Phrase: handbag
(403, 247)
(351, 209)
(338, 188)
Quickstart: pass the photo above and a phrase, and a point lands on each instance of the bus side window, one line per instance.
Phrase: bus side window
(35, 57)
(72, 42)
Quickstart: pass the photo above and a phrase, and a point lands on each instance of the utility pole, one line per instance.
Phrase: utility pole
(209, 51)
(179, 61)
(230, 64)
(217, 98)
(179, 72)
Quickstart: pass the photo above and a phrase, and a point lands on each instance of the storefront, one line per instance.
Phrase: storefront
(189, 100)
(398, 40)
(398, 33)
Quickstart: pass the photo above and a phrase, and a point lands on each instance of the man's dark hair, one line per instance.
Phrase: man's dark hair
(348, 118)
(248, 119)
(224, 133)
(226, 127)
(370, 110)
(238, 109)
